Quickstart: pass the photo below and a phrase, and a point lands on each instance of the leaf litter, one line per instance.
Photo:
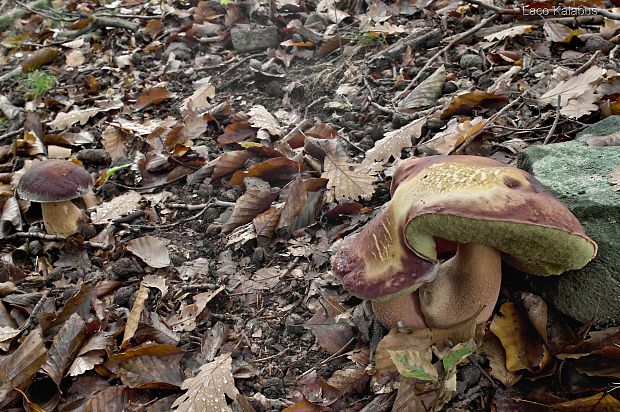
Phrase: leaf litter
(199, 279)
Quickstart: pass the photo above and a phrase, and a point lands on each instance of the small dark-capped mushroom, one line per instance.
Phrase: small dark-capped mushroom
(54, 183)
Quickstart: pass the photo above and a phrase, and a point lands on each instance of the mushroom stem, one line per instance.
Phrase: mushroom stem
(467, 286)
(61, 218)
(403, 308)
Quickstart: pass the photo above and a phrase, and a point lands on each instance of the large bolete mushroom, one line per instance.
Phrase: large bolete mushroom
(54, 183)
(491, 211)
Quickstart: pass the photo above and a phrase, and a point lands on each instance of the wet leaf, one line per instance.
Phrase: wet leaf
(151, 250)
(206, 390)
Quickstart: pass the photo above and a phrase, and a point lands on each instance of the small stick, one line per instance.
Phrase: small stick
(587, 64)
(239, 63)
(458, 39)
(33, 315)
(45, 236)
(555, 122)
(271, 357)
(486, 125)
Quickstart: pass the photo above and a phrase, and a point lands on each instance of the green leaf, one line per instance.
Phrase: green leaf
(414, 364)
(458, 353)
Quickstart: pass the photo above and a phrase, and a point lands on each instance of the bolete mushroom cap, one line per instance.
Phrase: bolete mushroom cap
(54, 180)
(53, 183)
(467, 200)
(472, 199)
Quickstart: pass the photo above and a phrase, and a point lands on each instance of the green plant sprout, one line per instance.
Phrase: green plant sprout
(35, 84)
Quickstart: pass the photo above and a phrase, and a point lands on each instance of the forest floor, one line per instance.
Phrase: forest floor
(232, 146)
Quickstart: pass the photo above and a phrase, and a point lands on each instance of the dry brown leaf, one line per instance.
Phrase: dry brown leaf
(186, 319)
(228, 162)
(113, 141)
(133, 319)
(349, 181)
(456, 133)
(64, 348)
(18, 368)
(524, 348)
(466, 103)
(152, 371)
(581, 105)
(151, 250)
(200, 98)
(573, 87)
(274, 170)
(262, 119)
(265, 224)
(236, 133)
(79, 303)
(39, 58)
(248, 206)
(75, 58)
(510, 32)
(603, 402)
(303, 203)
(151, 97)
(158, 282)
(117, 207)
(65, 120)
(206, 390)
(395, 141)
(427, 92)
(559, 33)
(494, 352)
(11, 217)
(350, 380)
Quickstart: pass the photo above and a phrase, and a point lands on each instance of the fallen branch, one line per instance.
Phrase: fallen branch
(56, 238)
(99, 22)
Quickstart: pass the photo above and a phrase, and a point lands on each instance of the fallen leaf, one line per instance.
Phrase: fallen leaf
(303, 203)
(524, 348)
(414, 364)
(248, 206)
(418, 340)
(200, 98)
(348, 180)
(456, 133)
(75, 58)
(581, 105)
(158, 282)
(133, 318)
(65, 120)
(117, 207)
(274, 170)
(573, 87)
(151, 97)
(151, 250)
(612, 139)
(559, 33)
(113, 140)
(206, 390)
(466, 103)
(427, 92)
(262, 119)
(510, 32)
(494, 352)
(186, 319)
(395, 141)
(236, 133)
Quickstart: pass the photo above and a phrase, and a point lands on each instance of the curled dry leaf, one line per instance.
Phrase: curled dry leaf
(262, 119)
(134, 316)
(200, 98)
(206, 390)
(303, 203)
(152, 250)
(427, 92)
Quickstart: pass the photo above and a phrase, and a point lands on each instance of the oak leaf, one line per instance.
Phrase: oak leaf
(348, 180)
(395, 141)
(206, 390)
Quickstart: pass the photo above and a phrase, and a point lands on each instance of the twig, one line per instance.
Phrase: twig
(353, 145)
(324, 361)
(215, 202)
(314, 103)
(33, 315)
(270, 357)
(413, 40)
(290, 135)
(458, 39)
(239, 63)
(555, 122)
(201, 286)
(486, 125)
(11, 134)
(587, 64)
(45, 236)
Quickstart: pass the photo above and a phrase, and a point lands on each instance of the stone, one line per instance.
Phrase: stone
(245, 40)
(596, 42)
(471, 61)
(578, 175)
(318, 21)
